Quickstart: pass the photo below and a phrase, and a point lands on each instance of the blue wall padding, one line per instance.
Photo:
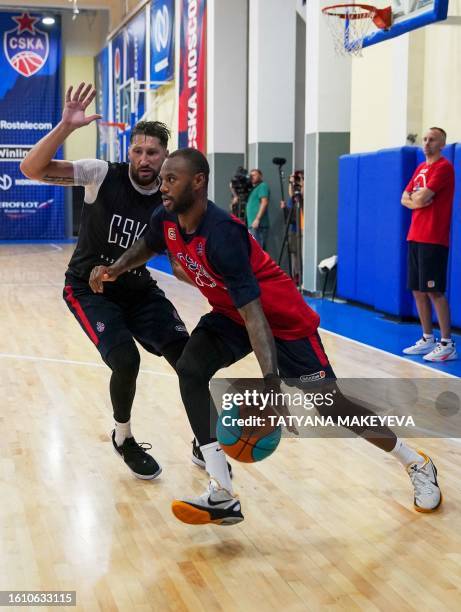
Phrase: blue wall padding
(366, 232)
(454, 271)
(372, 230)
(347, 224)
(392, 221)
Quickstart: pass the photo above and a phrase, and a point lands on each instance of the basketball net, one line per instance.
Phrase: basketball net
(350, 24)
(109, 136)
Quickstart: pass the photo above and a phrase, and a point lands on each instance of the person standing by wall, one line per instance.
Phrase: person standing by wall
(429, 195)
(257, 208)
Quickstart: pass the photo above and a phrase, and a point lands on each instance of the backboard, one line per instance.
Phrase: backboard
(409, 15)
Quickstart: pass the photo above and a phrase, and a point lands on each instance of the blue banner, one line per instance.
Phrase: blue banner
(136, 61)
(118, 73)
(30, 105)
(161, 41)
(101, 70)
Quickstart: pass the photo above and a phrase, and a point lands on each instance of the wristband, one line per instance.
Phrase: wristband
(272, 381)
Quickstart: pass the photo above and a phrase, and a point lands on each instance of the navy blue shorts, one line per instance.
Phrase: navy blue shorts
(427, 267)
(303, 359)
(115, 317)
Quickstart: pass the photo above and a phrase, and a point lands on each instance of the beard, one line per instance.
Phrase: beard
(143, 179)
(184, 202)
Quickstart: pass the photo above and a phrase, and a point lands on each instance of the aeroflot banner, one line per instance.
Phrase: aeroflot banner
(192, 79)
(30, 105)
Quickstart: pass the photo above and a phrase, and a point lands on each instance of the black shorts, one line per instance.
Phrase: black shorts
(303, 359)
(115, 317)
(427, 267)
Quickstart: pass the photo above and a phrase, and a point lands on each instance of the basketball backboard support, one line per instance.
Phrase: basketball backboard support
(409, 15)
(128, 94)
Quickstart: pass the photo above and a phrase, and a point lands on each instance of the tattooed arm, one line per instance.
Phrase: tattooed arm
(39, 163)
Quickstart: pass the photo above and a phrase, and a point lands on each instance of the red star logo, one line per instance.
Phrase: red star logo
(26, 23)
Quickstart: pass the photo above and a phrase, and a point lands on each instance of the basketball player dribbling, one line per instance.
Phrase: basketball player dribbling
(255, 306)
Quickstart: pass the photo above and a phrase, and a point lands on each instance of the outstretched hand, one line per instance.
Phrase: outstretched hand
(100, 275)
(76, 104)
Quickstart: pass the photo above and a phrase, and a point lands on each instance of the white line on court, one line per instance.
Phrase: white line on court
(92, 364)
(56, 246)
(171, 276)
(374, 348)
(30, 285)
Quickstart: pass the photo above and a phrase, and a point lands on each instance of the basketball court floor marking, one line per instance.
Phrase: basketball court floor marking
(92, 364)
(378, 350)
(356, 342)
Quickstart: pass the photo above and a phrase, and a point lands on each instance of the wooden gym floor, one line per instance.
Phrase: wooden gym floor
(329, 524)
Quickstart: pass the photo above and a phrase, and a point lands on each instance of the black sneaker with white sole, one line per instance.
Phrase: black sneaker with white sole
(197, 457)
(141, 464)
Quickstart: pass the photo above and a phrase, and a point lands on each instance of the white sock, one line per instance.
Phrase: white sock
(216, 465)
(405, 454)
(122, 431)
(428, 337)
(447, 340)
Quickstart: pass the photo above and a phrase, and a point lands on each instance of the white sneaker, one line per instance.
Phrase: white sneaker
(421, 347)
(443, 351)
(428, 496)
(215, 506)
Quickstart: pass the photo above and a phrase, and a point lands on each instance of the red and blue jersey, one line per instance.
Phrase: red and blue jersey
(231, 270)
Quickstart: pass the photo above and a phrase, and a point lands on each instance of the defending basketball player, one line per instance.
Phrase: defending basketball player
(255, 306)
(119, 201)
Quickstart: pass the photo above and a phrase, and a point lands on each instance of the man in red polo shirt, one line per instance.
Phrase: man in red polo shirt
(429, 195)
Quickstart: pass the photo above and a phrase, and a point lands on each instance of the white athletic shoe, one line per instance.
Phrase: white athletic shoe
(443, 351)
(421, 347)
(215, 506)
(428, 496)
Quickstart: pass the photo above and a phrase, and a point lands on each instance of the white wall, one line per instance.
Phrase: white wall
(442, 80)
(407, 84)
(227, 76)
(271, 73)
(373, 97)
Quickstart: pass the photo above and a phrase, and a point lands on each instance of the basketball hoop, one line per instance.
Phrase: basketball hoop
(349, 24)
(108, 130)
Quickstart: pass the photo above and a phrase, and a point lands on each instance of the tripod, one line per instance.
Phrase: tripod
(294, 217)
(241, 206)
(279, 162)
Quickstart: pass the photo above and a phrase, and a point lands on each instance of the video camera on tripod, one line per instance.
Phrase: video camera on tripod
(240, 187)
(297, 183)
(292, 239)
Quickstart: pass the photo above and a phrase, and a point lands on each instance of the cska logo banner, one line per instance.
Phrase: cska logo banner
(30, 105)
(26, 47)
